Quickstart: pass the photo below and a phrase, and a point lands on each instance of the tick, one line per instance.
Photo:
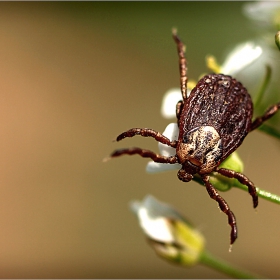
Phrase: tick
(213, 122)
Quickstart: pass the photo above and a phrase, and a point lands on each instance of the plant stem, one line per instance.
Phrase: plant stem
(269, 196)
(224, 267)
(261, 193)
(263, 86)
(270, 130)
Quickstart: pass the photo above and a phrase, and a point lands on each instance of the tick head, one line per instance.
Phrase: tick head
(200, 150)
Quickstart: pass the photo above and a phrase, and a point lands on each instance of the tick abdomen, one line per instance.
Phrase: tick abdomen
(221, 102)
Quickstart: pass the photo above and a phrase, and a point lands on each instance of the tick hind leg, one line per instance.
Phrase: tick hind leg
(146, 132)
(243, 180)
(223, 206)
(268, 114)
(146, 154)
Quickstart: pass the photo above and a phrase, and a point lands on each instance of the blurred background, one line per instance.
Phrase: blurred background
(72, 77)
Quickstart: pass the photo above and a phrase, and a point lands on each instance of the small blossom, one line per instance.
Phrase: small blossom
(241, 56)
(170, 235)
(265, 13)
(169, 102)
(170, 99)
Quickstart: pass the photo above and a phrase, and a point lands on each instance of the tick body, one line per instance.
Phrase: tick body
(213, 121)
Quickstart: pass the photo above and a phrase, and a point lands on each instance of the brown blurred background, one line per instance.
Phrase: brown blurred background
(72, 77)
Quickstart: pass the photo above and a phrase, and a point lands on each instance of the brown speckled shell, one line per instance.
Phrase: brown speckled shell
(222, 102)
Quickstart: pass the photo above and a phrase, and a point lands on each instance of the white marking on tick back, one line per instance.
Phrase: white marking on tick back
(201, 146)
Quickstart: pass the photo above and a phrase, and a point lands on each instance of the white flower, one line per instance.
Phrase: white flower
(170, 99)
(240, 57)
(168, 232)
(266, 13)
(154, 218)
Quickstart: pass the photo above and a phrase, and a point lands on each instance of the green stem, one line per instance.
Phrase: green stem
(224, 267)
(270, 130)
(269, 196)
(261, 193)
(263, 86)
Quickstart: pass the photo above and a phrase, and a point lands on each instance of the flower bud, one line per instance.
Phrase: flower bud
(169, 234)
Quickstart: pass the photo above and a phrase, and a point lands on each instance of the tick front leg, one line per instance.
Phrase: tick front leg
(268, 114)
(182, 64)
(146, 154)
(146, 132)
(223, 206)
(243, 180)
(179, 108)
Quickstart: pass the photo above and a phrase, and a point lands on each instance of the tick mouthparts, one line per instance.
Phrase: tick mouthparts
(195, 161)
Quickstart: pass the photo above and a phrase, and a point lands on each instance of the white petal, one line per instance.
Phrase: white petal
(157, 229)
(262, 11)
(170, 99)
(243, 55)
(158, 208)
(155, 167)
(154, 218)
(172, 133)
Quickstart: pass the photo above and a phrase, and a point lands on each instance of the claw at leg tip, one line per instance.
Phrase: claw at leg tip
(106, 159)
(174, 31)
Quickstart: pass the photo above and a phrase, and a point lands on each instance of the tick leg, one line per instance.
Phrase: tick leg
(182, 64)
(146, 132)
(223, 206)
(146, 154)
(179, 108)
(268, 114)
(243, 180)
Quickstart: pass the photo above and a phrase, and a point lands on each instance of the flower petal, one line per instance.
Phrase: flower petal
(172, 133)
(156, 208)
(170, 99)
(155, 167)
(170, 235)
(154, 218)
(262, 11)
(241, 56)
(157, 229)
